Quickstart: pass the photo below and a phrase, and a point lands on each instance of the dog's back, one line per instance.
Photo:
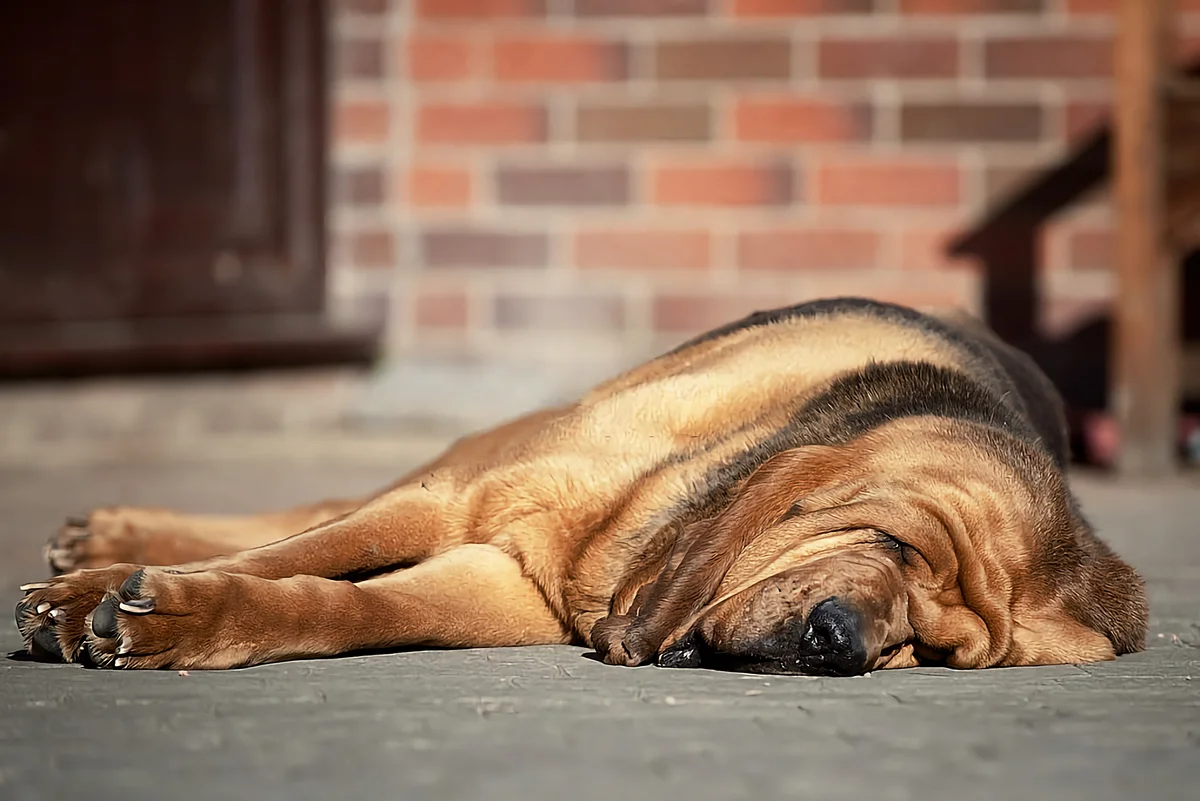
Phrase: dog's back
(774, 367)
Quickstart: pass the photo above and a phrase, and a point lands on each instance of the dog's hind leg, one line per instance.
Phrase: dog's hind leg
(469, 596)
(146, 536)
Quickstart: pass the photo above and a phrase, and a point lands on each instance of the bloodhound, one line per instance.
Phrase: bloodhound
(832, 488)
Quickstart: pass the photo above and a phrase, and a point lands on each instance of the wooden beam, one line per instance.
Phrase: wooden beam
(1182, 133)
(1146, 350)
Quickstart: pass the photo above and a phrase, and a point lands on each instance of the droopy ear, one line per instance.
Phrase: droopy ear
(679, 593)
(1097, 609)
(1107, 595)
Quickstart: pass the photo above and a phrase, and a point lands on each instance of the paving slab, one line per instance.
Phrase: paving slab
(551, 723)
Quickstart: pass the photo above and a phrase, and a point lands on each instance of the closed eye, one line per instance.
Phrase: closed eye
(907, 553)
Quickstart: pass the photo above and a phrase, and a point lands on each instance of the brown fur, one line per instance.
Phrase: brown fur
(709, 500)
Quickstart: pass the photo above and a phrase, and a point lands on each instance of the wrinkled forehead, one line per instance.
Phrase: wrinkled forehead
(780, 551)
(941, 526)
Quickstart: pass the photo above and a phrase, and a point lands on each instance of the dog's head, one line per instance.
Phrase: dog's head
(927, 541)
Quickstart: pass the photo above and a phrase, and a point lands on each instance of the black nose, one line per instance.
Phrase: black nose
(832, 640)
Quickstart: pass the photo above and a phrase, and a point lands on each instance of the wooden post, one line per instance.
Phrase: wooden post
(1145, 389)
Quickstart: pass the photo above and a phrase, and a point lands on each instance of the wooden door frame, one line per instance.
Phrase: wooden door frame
(304, 336)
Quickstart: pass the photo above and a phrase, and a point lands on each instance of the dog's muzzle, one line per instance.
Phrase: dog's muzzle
(830, 642)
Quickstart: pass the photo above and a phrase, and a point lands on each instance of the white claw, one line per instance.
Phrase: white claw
(134, 610)
(57, 613)
(37, 585)
(43, 609)
(119, 662)
(124, 648)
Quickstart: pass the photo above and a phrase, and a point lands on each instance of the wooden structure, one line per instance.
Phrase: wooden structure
(1150, 188)
(1152, 155)
(162, 187)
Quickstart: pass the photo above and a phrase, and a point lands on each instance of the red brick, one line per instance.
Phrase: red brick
(640, 8)
(1081, 56)
(467, 246)
(438, 186)
(642, 122)
(563, 186)
(362, 121)
(1083, 117)
(970, 122)
(359, 57)
(441, 309)
(883, 182)
(643, 249)
(359, 186)
(741, 57)
(558, 59)
(808, 248)
(473, 10)
(801, 119)
(924, 248)
(789, 8)
(682, 313)
(932, 290)
(443, 58)
(372, 248)
(972, 6)
(577, 312)
(883, 57)
(693, 313)
(373, 7)
(486, 123)
(707, 184)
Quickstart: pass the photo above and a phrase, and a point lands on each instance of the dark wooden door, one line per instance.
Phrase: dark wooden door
(161, 167)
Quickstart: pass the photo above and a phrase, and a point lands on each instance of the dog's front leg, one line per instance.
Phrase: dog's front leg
(470, 596)
(403, 526)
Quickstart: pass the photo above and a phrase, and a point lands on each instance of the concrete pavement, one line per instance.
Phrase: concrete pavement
(550, 723)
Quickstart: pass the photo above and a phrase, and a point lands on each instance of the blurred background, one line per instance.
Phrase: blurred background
(254, 217)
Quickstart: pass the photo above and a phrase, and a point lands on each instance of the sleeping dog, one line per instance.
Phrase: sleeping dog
(830, 488)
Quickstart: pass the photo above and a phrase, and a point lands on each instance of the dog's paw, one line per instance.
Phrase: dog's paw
(67, 550)
(53, 616)
(103, 538)
(611, 639)
(111, 633)
(159, 618)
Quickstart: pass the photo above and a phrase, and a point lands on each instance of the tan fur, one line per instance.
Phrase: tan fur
(539, 531)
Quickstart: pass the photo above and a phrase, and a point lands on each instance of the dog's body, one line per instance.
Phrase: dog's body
(833, 487)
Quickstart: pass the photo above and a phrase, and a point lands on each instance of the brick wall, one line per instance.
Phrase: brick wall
(553, 177)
